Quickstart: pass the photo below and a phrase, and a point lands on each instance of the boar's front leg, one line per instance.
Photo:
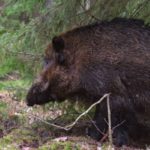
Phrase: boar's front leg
(123, 120)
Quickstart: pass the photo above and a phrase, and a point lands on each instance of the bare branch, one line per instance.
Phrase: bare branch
(139, 8)
(93, 122)
(84, 113)
(88, 13)
(68, 127)
(107, 134)
(109, 121)
(38, 56)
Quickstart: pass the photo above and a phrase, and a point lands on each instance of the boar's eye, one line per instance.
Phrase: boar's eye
(45, 62)
(60, 58)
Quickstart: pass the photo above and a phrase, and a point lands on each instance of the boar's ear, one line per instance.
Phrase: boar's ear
(58, 44)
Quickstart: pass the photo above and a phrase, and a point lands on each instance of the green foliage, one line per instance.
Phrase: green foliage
(19, 43)
(26, 26)
(3, 110)
(68, 14)
(15, 8)
(60, 145)
(68, 146)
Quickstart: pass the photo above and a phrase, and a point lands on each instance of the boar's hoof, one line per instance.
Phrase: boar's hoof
(120, 137)
(94, 134)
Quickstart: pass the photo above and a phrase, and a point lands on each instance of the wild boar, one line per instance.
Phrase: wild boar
(89, 61)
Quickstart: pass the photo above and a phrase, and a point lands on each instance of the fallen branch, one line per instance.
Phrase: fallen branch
(38, 56)
(84, 113)
(68, 127)
(89, 14)
(109, 122)
(93, 122)
(139, 8)
(112, 130)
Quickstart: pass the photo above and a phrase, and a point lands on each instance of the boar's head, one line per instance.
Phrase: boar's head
(59, 78)
(76, 67)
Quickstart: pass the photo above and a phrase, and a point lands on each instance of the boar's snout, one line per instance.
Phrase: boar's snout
(38, 95)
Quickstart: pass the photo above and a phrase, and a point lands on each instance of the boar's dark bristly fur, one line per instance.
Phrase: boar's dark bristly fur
(87, 62)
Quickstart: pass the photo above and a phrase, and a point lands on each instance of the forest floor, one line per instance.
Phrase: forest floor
(24, 128)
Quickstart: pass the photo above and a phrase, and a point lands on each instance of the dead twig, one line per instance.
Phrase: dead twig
(109, 122)
(68, 127)
(139, 8)
(38, 56)
(88, 13)
(93, 122)
(84, 113)
(112, 130)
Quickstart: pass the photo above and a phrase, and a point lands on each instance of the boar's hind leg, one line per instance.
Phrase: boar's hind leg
(123, 121)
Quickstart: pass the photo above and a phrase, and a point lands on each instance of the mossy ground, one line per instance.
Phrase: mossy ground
(23, 128)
